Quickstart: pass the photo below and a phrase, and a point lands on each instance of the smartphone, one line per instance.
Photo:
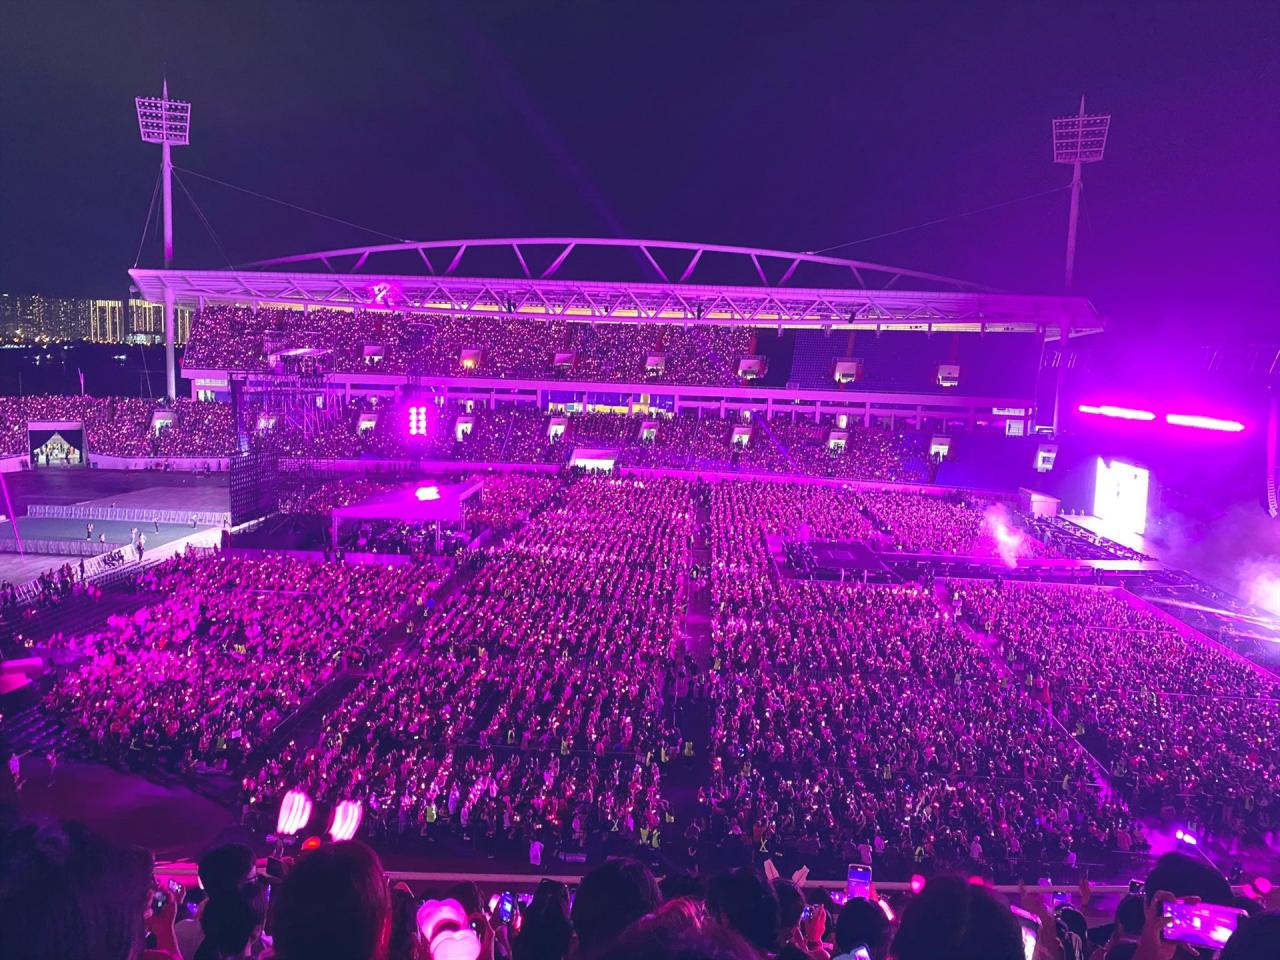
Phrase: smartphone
(861, 953)
(1200, 924)
(1136, 887)
(807, 912)
(1057, 898)
(1030, 927)
(178, 891)
(859, 882)
(158, 900)
(506, 911)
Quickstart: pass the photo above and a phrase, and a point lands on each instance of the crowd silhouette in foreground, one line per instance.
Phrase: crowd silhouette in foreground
(70, 894)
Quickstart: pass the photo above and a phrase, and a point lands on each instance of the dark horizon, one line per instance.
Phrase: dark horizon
(794, 126)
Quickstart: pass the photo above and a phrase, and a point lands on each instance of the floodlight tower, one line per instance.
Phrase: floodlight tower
(1078, 140)
(168, 123)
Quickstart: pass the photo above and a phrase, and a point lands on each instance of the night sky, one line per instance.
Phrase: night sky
(797, 125)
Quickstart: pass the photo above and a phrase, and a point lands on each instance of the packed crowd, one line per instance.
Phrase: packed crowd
(848, 715)
(122, 426)
(516, 434)
(70, 893)
(531, 705)
(1184, 727)
(537, 699)
(955, 524)
(233, 645)
(240, 338)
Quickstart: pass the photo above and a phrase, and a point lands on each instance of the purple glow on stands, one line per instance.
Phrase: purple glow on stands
(1203, 423)
(1119, 413)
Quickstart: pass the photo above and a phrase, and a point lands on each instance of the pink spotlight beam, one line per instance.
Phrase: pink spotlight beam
(1203, 423)
(1119, 413)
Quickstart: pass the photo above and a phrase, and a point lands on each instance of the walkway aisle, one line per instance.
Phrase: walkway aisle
(684, 775)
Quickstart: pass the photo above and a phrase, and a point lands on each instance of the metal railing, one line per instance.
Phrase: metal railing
(75, 511)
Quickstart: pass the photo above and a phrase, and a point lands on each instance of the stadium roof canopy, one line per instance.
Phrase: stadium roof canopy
(582, 278)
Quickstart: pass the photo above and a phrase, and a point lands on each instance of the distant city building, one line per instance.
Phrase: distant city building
(34, 318)
(43, 318)
(106, 322)
(146, 322)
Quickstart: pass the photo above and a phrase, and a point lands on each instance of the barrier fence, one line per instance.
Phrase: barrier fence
(76, 511)
(95, 568)
(58, 548)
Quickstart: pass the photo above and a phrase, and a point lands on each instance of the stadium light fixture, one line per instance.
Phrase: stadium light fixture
(1203, 423)
(168, 123)
(1119, 413)
(1078, 140)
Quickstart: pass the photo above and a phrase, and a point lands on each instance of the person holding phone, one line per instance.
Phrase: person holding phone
(862, 932)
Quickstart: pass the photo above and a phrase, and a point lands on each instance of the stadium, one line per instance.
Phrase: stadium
(587, 560)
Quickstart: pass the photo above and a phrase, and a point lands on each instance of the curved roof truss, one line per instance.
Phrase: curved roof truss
(664, 261)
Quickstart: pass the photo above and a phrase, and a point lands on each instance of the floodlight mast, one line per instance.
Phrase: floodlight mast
(168, 123)
(1078, 140)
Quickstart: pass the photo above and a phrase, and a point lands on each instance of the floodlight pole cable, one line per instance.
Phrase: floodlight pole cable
(294, 206)
(147, 222)
(954, 216)
(205, 220)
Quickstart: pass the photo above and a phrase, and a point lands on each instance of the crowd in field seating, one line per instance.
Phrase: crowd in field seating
(233, 645)
(849, 715)
(1185, 727)
(531, 703)
(843, 716)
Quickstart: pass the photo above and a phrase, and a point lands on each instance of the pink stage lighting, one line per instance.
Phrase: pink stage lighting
(427, 493)
(1119, 413)
(417, 421)
(295, 812)
(1203, 423)
(346, 820)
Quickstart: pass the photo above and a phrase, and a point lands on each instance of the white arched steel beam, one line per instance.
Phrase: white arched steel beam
(568, 245)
